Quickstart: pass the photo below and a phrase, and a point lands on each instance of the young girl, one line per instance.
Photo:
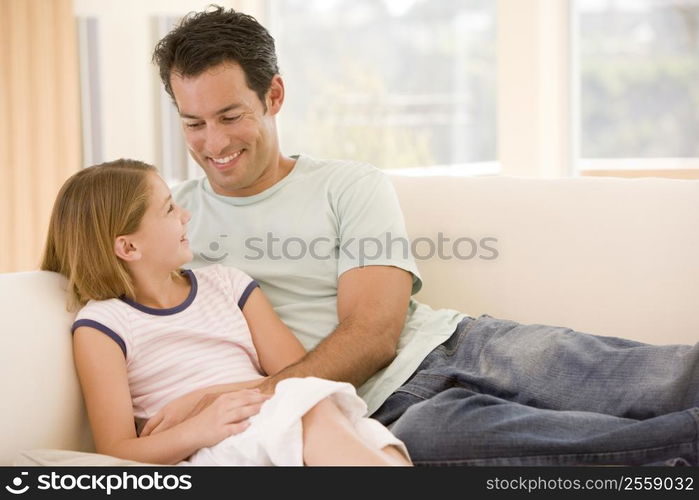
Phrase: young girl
(153, 342)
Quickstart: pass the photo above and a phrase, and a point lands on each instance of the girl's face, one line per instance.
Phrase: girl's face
(162, 236)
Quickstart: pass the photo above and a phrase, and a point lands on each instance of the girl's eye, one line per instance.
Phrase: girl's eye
(231, 118)
(170, 208)
(192, 125)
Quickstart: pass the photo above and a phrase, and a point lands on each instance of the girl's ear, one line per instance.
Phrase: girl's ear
(125, 250)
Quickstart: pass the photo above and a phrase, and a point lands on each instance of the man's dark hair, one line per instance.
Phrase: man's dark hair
(206, 39)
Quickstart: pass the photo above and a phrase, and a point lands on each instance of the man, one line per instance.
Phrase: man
(325, 240)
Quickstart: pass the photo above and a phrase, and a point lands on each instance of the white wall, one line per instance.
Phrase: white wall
(535, 97)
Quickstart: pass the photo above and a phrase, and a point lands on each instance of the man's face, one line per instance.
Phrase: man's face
(227, 130)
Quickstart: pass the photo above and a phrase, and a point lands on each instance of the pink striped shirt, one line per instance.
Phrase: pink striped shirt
(169, 352)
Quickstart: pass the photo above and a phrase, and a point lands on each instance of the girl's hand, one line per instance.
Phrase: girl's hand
(171, 414)
(189, 405)
(227, 415)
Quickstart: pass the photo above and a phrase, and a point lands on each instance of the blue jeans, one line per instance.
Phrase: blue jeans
(502, 393)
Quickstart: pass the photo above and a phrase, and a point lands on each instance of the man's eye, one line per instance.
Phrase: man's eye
(192, 125)
(231, 118)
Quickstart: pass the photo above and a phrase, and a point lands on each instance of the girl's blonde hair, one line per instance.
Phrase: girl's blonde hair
(93, 207)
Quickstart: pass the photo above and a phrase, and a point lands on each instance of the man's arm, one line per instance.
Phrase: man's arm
(372, 303)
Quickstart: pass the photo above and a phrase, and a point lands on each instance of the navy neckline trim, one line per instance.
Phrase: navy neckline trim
(171, 310)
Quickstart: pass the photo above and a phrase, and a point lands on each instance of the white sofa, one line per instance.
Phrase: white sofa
(605, 256)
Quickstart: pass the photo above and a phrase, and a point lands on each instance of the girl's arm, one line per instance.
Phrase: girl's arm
(277, 346)
(103, 377)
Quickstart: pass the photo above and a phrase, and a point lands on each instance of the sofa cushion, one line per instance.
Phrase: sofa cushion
(50, 457)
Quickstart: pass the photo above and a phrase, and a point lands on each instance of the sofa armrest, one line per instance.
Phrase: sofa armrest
(40, 390)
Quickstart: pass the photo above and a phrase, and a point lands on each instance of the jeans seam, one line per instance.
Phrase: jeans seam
(428, 375)
(694, 415)
(610, 454)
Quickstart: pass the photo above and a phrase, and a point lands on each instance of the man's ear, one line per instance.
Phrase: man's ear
(125, 250)
(275, 95)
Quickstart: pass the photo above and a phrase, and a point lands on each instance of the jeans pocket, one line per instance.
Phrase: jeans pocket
(451, 346)
(395, 405)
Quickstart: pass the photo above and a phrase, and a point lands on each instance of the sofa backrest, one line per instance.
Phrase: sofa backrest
(608, 256)
(615, 257)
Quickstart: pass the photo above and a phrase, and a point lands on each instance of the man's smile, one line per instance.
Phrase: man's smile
(226, 161)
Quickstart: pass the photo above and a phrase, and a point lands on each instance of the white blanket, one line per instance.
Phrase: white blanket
(275, 435)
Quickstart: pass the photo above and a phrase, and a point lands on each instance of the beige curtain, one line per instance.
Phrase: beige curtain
(39, 121)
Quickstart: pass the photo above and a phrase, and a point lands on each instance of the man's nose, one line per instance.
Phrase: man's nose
(216, 140)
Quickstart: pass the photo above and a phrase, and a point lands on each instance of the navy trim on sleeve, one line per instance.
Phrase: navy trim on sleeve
(99, 326)
(248, 290)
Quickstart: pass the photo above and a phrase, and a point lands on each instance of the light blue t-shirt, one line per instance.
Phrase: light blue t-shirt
(297, 237)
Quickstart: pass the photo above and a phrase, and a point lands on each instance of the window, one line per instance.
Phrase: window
(638, 72)
(542, 88)
(397, 83)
